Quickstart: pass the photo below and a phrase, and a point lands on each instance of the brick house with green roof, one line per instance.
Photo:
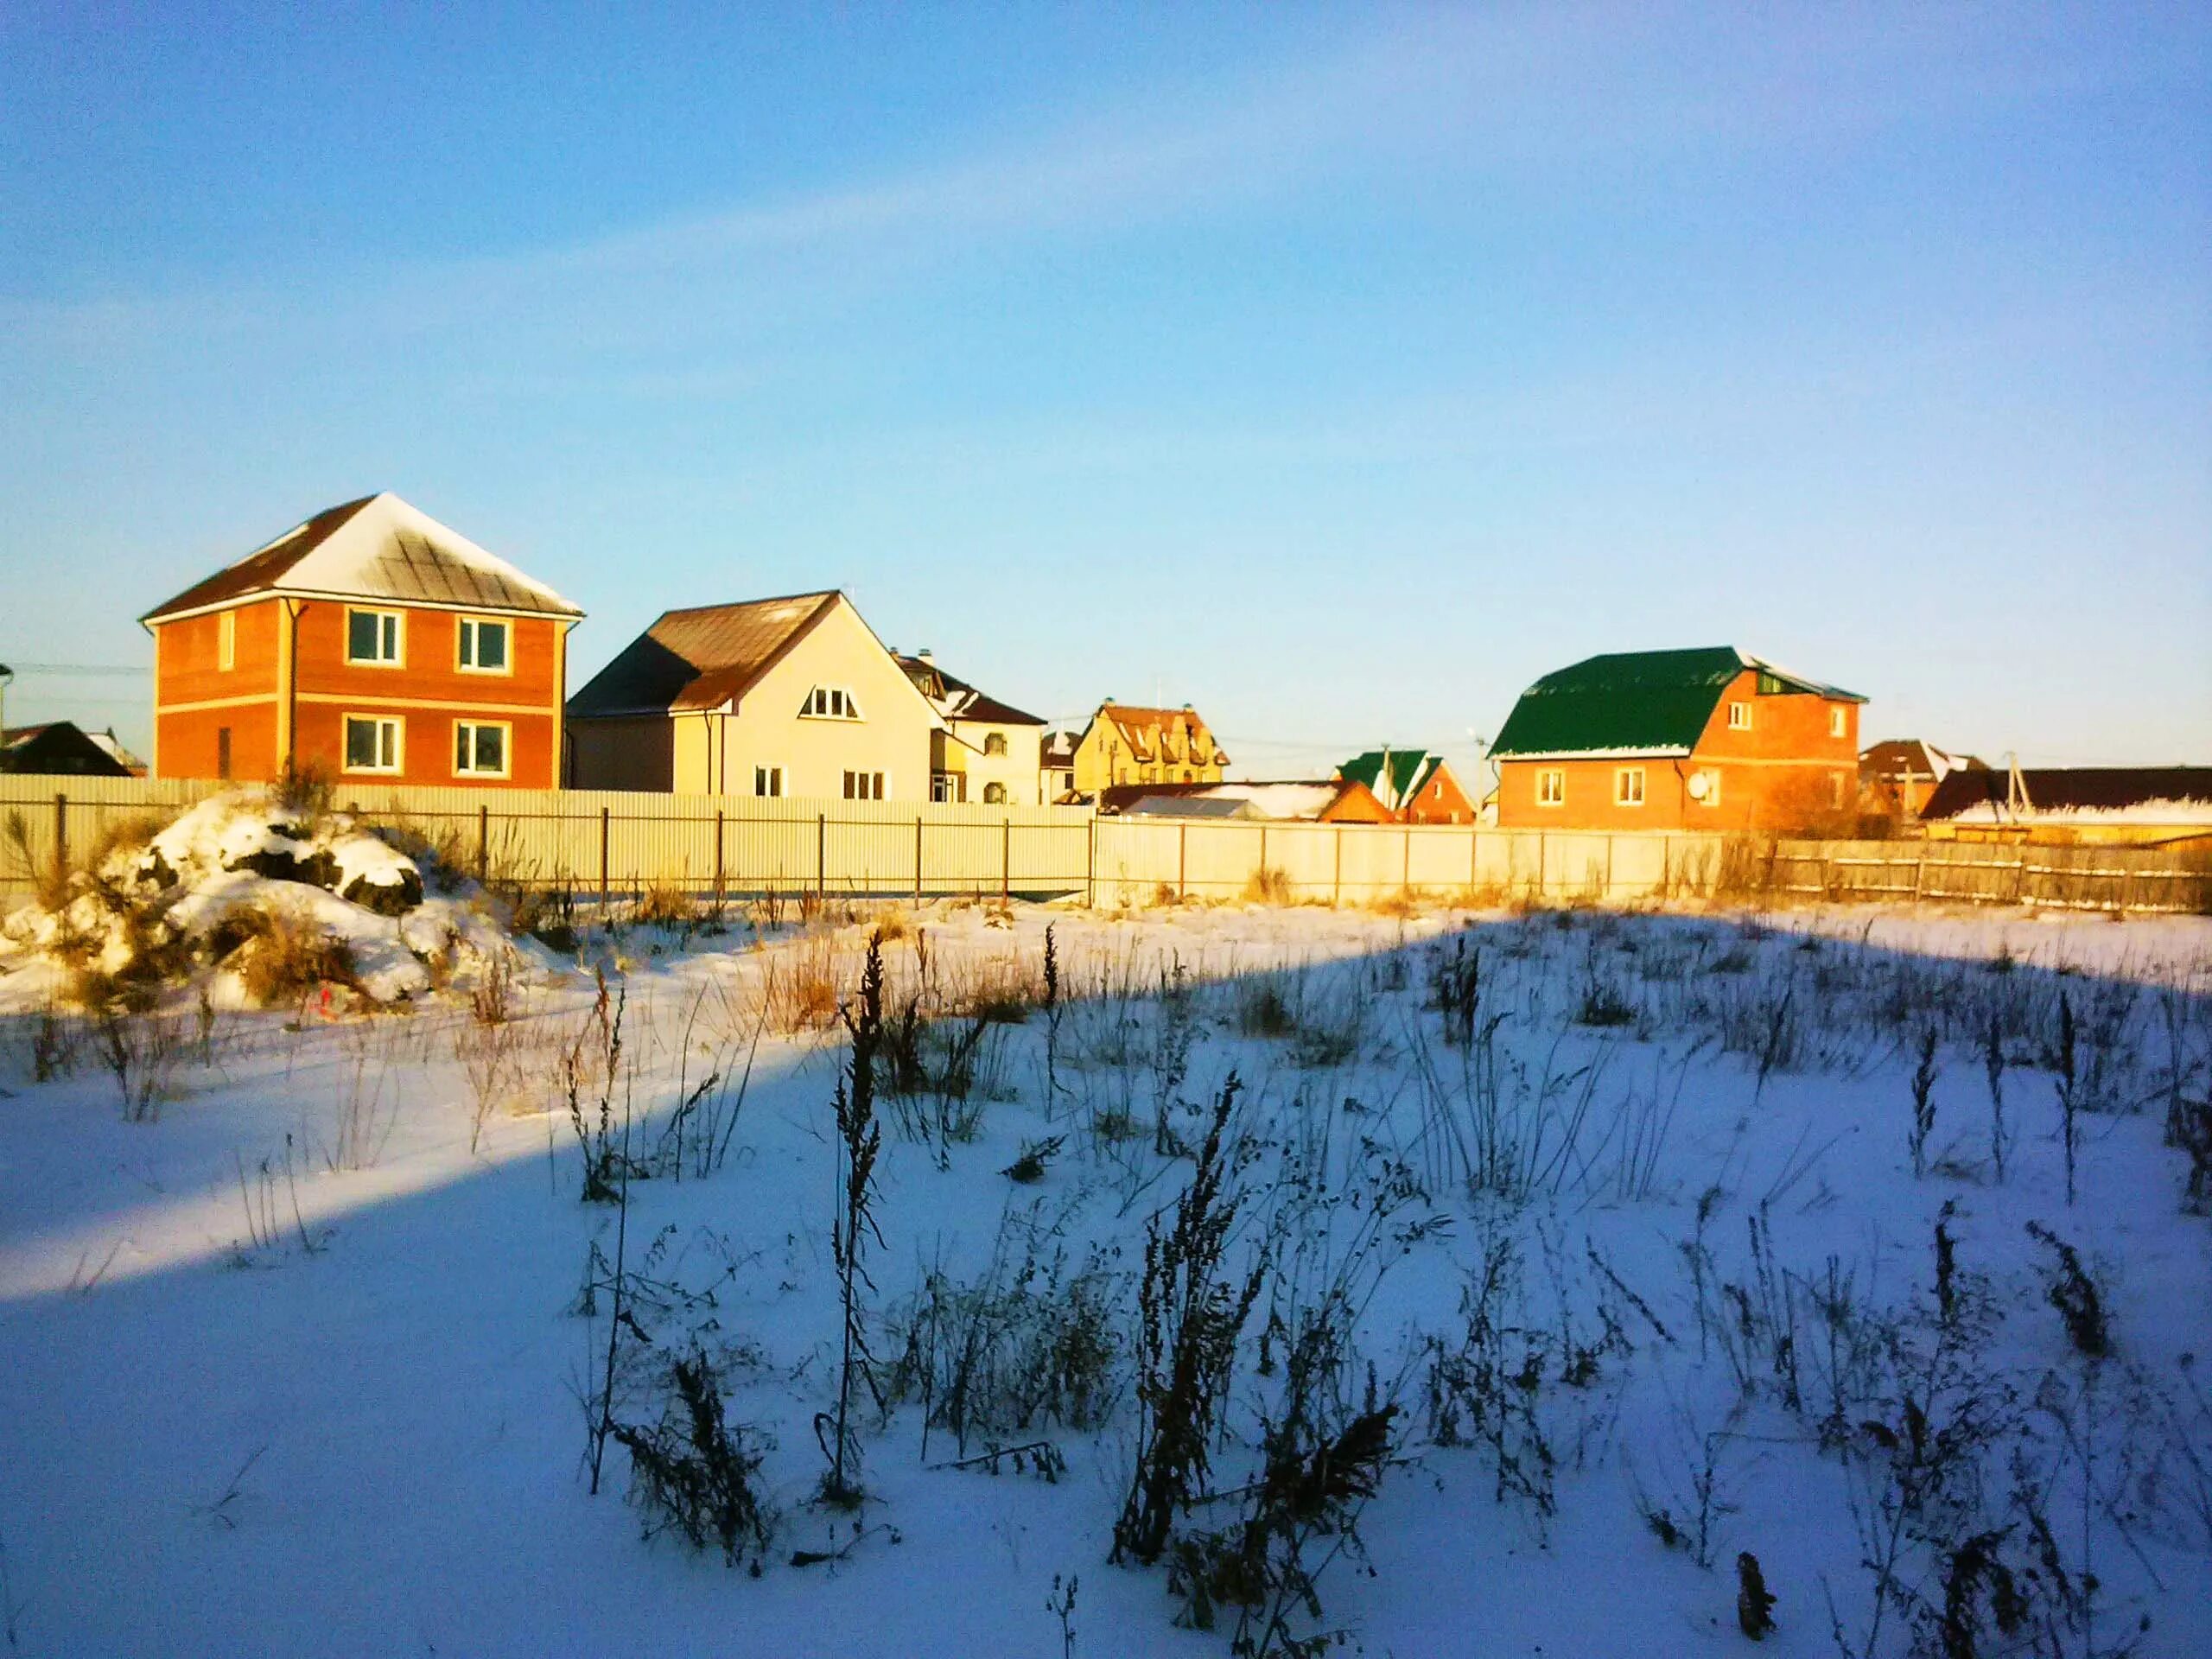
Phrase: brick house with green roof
(1415, 785)
(1705, 739)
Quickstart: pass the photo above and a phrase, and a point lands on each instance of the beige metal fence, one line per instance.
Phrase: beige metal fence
(595, 843)
(615, 844)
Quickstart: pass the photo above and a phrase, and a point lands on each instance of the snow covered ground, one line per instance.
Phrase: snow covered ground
(306, 1365)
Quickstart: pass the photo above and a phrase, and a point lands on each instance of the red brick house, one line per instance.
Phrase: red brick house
(372, 641)
(1414, 786)
(1706, 739)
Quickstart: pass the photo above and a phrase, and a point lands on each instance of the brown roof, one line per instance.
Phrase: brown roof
(957, 699)
(379, 547)
(700, 658)
(2062, 789)
(1909, 756)
(1144, 729)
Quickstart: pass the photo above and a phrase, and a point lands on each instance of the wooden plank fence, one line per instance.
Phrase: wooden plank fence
(2140, 880)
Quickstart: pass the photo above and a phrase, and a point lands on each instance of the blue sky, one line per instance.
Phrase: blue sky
(1337, 369)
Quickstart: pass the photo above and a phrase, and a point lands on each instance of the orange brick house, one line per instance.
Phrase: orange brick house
(1414, 786)
(371, 641)
(1706, 739)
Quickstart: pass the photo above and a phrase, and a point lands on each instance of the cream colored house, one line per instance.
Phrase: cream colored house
(1125, 744)
(989, 751)
(793, 697)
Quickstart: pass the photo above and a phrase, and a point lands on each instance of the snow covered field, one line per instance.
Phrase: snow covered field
(1620, 1212)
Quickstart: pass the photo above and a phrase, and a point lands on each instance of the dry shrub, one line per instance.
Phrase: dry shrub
(306, 792)
(126, 833)
(1267, 886)
(802, 991)
(1164, 896)
(280, 957)
(665, 905)
(1401, 904)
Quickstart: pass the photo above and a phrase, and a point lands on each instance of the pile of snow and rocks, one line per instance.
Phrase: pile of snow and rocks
(243, 869)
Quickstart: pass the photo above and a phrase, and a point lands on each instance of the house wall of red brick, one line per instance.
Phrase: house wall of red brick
(1789, 772)
(428, 691)
(1440, 801)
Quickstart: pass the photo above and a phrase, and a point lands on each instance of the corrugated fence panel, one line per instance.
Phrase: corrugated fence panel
(584, 840)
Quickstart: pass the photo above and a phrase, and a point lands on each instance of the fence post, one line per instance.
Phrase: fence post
(1090, 862)
(483, 839)
(1263, 849)
(1609, 867)
(605, 819)
(719, 878)
(1182, 861)
(1337, 881)
(1543, 862)
(821, 853)
(61, 833)
(1006, 863)
(918, 858)
(1919, 872)
(1406, 863)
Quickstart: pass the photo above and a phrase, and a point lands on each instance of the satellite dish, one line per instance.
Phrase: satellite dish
(1700, 785)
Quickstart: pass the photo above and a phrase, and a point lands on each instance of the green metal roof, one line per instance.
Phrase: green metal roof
(1409, 770)
(1635, 702)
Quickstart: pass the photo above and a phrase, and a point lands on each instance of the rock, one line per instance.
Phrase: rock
(387, 898)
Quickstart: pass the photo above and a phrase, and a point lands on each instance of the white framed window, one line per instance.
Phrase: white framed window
(1551, 786)
(375, 742)
(480, 748)
(995, 743)
(994, 794)
(483, 645)
(946, 787)
(863, 786)
(829, 702)
(227, 641)
(376, 637)
(1836, 721)
(1739, 716)
(1628, 786)
(768, 780)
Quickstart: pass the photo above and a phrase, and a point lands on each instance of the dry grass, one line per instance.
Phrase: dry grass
(1266, 886)
(280, 957)
(665, 905)
(1404, 903)
(801, 983)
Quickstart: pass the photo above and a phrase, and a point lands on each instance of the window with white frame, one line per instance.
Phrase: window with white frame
(378, 638)
(480, 748)
(483, 645)
(1628, 786)
(947, 787)
(829, 702)
(227, 641)
(1739, 716)
(1551, 786)
(375, 743)
(767, 780)
(863, 786)
(1836, 721)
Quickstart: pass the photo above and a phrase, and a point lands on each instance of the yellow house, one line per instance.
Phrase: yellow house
(989, 751)
(775, 697)
(1124, 744)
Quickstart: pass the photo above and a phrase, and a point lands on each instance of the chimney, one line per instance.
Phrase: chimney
(6, 675)
(926, 655)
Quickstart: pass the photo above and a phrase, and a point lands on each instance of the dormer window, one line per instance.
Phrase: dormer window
(829, 702)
